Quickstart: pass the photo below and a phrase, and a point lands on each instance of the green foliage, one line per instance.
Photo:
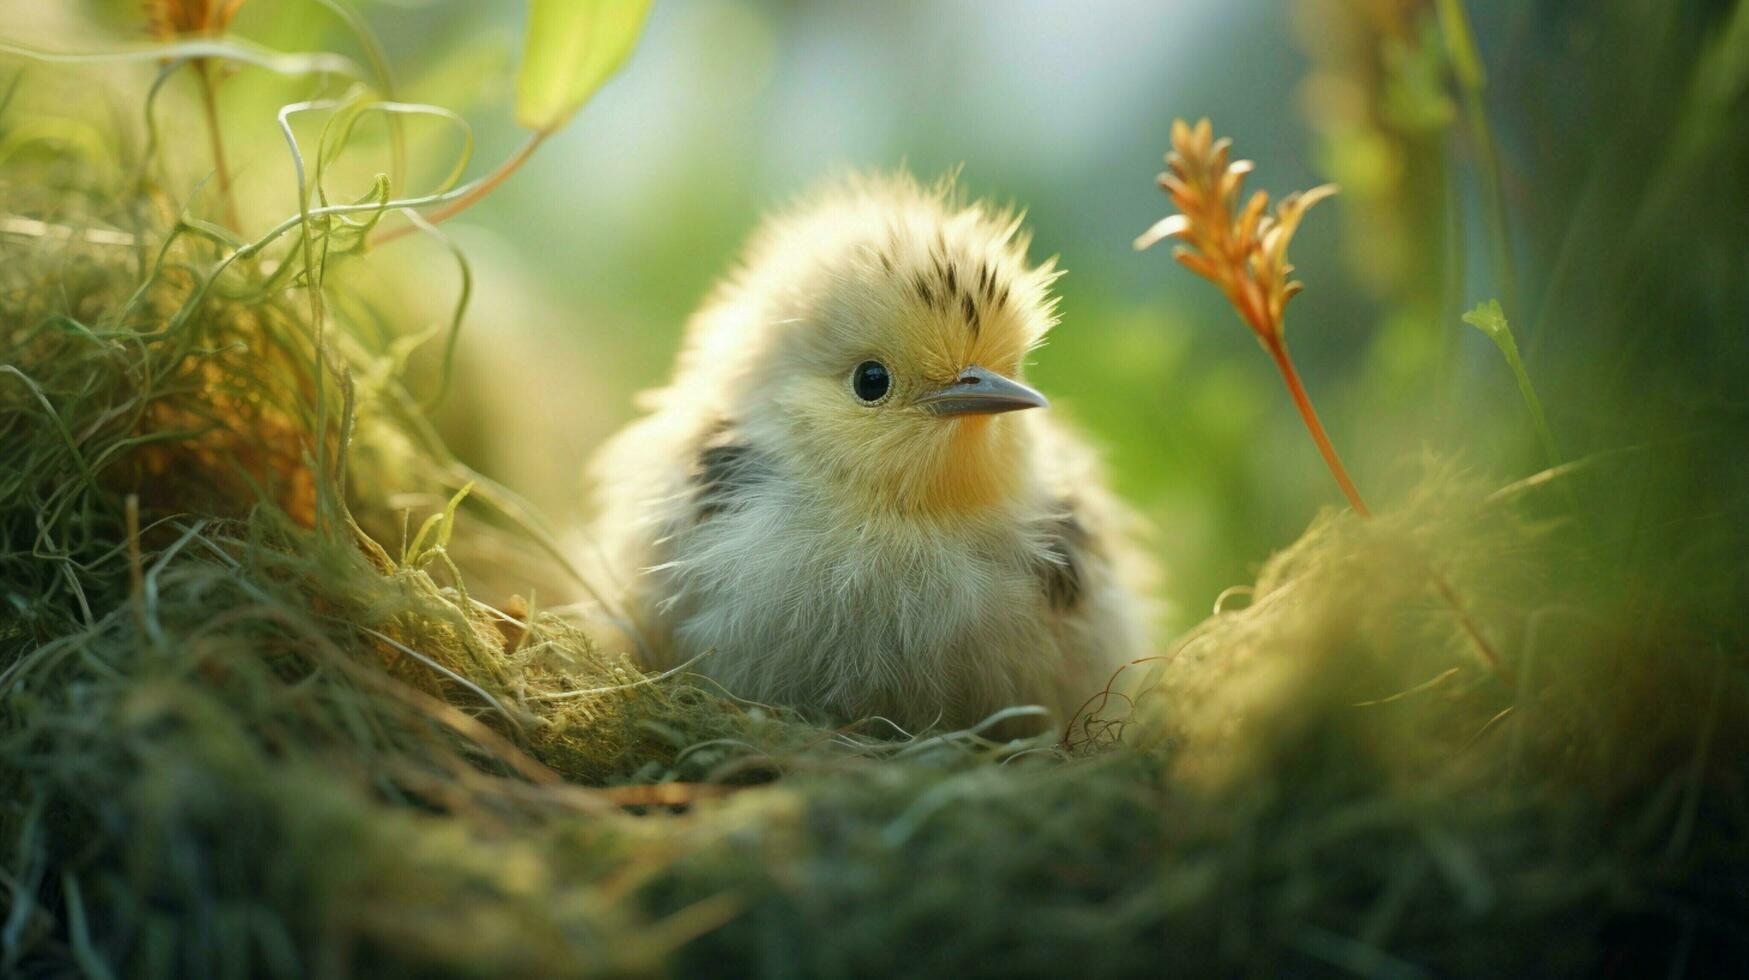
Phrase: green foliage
(1488, 318)
(571, 49)
(236, 736)
(1460, 43)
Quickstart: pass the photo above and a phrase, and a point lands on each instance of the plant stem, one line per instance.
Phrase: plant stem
(485, 185)
(1498, 226)
(203, 71)
(1460, 45)
(1278, 350)
(1509, 348)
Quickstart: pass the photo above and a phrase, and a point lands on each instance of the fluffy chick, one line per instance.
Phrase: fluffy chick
(838, 500)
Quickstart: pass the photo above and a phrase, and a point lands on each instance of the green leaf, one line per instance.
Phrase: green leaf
(573, 47)
(443, 524)
(1490, 319)
(1460, 44)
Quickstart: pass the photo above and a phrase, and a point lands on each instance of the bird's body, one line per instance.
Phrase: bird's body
(927, 554)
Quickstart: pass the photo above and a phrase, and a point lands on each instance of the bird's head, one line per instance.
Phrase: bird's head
(877, 340)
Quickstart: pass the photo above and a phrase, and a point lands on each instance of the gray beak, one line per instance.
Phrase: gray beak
(981, 392)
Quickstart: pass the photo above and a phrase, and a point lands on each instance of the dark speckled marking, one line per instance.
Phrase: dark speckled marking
(1059, 570)
(722, 470)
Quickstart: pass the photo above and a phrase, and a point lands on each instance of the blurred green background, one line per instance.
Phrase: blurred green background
(1616, 129)
(616, 230)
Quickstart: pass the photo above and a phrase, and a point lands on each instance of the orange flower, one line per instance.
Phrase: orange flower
(1241, 250)
(1244, 252)
(167, 19)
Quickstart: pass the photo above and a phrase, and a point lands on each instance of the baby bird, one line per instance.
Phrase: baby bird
(848, 501)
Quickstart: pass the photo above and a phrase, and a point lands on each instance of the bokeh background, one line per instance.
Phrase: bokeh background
(1614, 129)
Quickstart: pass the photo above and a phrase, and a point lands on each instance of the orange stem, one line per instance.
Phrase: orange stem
(1278, 350)
(484, 186)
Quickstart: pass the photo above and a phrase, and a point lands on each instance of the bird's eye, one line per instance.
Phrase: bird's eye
(870, 381)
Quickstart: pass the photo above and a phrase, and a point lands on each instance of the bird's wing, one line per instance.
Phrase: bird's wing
(1087, 541)
(725, 471)
(1063, 560)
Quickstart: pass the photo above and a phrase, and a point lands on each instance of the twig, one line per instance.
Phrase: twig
(215, 135)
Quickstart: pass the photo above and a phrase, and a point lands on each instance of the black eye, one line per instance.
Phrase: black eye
(871, 381)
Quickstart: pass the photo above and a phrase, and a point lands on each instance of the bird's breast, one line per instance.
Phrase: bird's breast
(793, 598)
(882, 570)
